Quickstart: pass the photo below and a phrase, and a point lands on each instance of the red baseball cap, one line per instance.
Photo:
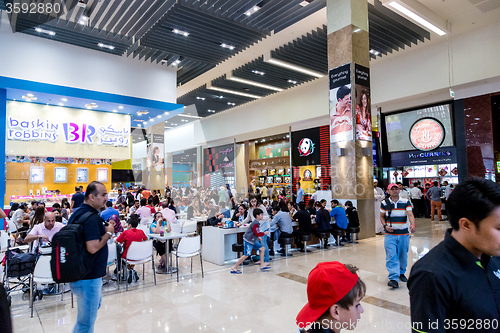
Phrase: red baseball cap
(392, 185)
(327, 284)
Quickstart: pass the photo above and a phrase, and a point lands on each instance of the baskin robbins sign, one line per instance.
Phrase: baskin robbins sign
(37, 130)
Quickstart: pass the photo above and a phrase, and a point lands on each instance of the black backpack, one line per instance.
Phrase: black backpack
(70, 260)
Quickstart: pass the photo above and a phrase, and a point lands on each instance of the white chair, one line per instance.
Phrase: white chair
(4, 240)
(188, 248)
(43, 275)
(140, 253)
(146, 220)
(177, 226)
(113, 259)
(189, 227)
(11, 228)
(143, 227)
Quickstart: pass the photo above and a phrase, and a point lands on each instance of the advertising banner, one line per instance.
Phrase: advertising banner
(39, 130)
(219, 166)
(306, 147)
(363, 103)
(156, 152)
(340, 104)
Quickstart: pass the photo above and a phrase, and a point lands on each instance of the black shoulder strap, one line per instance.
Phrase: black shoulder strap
(82, 218)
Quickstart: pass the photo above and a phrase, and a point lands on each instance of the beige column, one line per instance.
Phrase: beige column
(199, 167)
(348, 63)
(156, 157)
(168, 169)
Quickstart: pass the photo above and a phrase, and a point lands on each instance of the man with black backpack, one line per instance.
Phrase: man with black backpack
(394, 215)
(95, 236)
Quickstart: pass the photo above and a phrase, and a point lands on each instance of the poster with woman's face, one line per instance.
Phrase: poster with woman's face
(307, 175)
(363, 114)
(157, 157)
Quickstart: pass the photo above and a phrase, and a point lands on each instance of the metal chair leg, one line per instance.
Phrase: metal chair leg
(31, 293)
(154, 271)
(201, 261)
(72, 305)
(177, 263)
(191, 265)
(62, 294)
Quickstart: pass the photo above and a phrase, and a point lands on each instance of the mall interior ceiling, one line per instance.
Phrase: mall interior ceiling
(194, 36)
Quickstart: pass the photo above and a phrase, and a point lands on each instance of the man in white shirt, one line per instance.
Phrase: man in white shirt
(379, 196)
(403, 193)
(21, 217)
(416, 200)
(143, 211)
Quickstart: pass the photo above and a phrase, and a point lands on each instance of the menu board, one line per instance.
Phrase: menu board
(37, 175)
(82, 175)
(431, 171)
(419, 171)
(60, 175)
(102, 175)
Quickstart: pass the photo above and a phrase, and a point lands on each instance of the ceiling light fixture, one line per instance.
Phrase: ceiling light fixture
(120, 107)
(84, 19)
(229, 103)
(175, 63)
(115, 111)
(188, 116)
(226, 46)
(416, 18)
(267, 58)
(258, 72)
(252, 10)
(43, 31)
(105, 46)
(211, 111)
(60, 104)
(292, 81)
(374, 52)
(91, 106)
(29, 97)
(166, 113)
(232, 92)
(151, 119)
(200, 98)
(64, 99)
(256, 84)
(158, 116)
(304, 3)
(142, 112)
(180, 32)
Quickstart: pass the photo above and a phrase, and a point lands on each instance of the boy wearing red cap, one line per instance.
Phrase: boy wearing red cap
(334, 292)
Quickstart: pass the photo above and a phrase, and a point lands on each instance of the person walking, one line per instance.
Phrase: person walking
(96, 235)
(458, 281)
(434, 195)
(394, 215)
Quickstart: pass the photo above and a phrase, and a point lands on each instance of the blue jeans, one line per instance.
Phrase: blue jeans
(247, 247)
(88, 300)
(266, 252)
(396, 254)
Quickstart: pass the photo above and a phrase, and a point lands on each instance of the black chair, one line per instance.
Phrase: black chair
(284, 242)
(305, 238)
(354, 234)
(337, 234)
(322, 236)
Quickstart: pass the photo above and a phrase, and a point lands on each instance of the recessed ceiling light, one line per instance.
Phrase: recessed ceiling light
(227, 46)
(158, 116)
(30, 95)
(229, 103)
(151, 119)
(43, 31)
(180, 32)
(84, 19)
(374, 52)
(167, 113)
(142, 112)
(115, 111)
(105, 46)
(211, 111)
(304, 3)
(221, 97)
(60, 104)
(120, 107)
(138, 125)
(175, 63)
(292, 81)
(258, 72)
(64, 99)
(200, 98)
(252, 10)
(91, 106)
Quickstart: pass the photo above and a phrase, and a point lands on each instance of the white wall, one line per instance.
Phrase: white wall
(39, 59)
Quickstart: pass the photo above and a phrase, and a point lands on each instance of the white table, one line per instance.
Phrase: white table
(166, 236)
(218, 242)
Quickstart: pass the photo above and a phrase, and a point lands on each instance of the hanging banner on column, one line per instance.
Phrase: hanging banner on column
(340, 104)
(156, 152)
(363, 103)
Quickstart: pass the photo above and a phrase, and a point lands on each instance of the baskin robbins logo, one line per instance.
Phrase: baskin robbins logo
(427, 134)
(306, 147)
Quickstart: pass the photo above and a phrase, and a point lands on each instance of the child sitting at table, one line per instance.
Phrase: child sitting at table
(252, 240)
(132, 234)
(155, 228)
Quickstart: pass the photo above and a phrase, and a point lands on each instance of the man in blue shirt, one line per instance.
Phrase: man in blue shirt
(300, 194)
(77, 198)
(109, 211)
(340, 216)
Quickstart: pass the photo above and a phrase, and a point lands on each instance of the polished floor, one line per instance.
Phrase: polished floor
(254, 301)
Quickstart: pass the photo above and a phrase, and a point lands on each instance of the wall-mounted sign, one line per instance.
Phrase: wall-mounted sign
(102, 175)
(439, 156)
(39, 130)
(37, 175)
(427, 134)
(60, 175)
(82, 175)
(306, 147)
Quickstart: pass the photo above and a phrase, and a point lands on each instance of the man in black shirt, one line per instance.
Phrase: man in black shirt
(456, 286)
(88, 290)
(304, 219)
(77, 198)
